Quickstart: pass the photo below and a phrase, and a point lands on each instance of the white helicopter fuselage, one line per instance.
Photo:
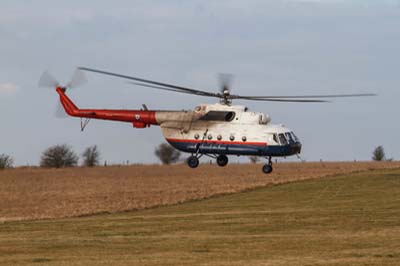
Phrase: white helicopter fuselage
(224, 129)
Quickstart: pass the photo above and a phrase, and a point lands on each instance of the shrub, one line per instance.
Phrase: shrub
(6, 161)
(254, 159)
(91, 156)
(167, 154)
(378, 154)
(59, 156)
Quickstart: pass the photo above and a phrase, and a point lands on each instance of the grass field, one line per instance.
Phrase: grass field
(34, 193)
(352, 219)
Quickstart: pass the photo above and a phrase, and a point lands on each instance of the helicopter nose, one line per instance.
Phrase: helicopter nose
(295, 148)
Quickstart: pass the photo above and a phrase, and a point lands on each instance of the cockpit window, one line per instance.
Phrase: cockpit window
(282, 139)
(295, 137)
(290, 138)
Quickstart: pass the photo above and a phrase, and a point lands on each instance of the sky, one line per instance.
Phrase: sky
(274, 47)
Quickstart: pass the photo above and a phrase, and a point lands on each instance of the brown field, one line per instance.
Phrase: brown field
(34, 193)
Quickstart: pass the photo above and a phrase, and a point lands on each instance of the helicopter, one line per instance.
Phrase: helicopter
(214, 130)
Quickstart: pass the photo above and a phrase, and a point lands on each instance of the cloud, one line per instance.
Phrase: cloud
(8, 88)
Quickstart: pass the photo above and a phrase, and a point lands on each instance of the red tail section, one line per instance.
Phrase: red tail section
(138, 118)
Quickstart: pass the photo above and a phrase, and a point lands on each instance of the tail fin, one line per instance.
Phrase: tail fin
(69, 107)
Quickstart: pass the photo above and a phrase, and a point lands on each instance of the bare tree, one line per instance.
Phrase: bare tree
(6, 161)
(167, 154)
(378, 154)
(59, 156)
(254, 159)
(91, 156)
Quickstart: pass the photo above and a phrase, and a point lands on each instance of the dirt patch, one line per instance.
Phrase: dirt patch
(30, 193)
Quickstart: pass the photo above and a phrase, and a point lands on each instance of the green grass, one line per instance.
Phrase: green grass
(344, 220)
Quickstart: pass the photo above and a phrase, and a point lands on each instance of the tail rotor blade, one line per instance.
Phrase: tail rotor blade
(78, 79)
(60, 112)
(48, 81)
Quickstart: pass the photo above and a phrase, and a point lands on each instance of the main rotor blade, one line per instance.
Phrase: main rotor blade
(178, 88)
(168, 89)
(282, 100)
(305, 96)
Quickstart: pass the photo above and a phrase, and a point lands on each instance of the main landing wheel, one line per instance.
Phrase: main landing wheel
(193, 161)
(267, 169)
(222, 160)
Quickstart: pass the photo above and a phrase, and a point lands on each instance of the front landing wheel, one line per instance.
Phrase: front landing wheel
(193, 161)
(267, 169)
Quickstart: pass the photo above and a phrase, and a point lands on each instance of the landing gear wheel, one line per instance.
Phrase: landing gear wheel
(193, 161)
(267, 169)
(222, 160)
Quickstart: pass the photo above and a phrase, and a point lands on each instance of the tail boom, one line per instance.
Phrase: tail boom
(138, 118)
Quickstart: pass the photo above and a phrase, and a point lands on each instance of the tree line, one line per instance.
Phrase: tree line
(59, 156)
(63, 156)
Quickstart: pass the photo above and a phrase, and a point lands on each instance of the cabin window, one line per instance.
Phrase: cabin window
(289, 138)
(282, 139)
(244, 138)
(210, 137)
(219, 137)
(219, 116)
(232, 137)
(196, 136)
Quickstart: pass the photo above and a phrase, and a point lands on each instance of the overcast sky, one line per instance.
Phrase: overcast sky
(271, 47)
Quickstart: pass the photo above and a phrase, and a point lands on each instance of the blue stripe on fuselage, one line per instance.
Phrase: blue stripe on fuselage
(238, 149)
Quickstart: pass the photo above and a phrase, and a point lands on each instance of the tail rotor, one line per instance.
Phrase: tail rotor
(78, 79)
(47, 80)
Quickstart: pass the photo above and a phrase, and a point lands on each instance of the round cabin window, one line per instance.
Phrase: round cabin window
(232, 137)
(219, 137)
(209, 137)
(196, 136)
(244, 138)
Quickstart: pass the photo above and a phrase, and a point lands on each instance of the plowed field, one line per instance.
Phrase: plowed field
(351, 219)
(34, 193)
